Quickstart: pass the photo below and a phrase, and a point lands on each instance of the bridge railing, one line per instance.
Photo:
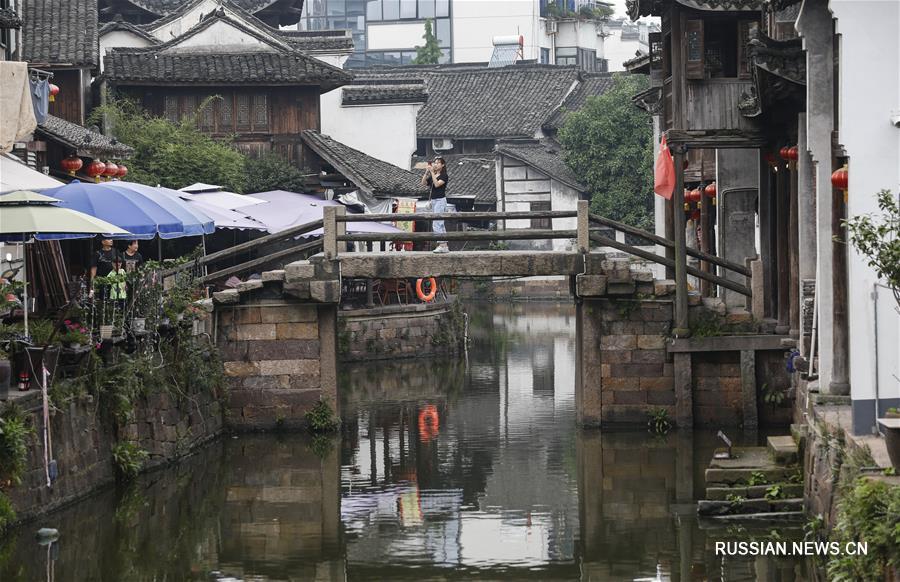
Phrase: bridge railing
(336, 219)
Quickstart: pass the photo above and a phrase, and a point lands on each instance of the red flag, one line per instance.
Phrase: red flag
(664, 173)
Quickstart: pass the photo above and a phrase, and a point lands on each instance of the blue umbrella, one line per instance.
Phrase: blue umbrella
(140, 215)
(194, 221)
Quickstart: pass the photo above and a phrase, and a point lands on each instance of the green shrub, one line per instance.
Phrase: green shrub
(320, 418)
(868, 512)
(128, 459)
(659, 422)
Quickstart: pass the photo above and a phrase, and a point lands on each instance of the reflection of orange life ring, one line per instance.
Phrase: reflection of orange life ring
(428, 423)
(430, 297)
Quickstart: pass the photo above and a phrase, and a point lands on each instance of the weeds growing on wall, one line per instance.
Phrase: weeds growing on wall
(321, 419)
(128, 459)
(14, 434)
(659, 423)
(7, 513)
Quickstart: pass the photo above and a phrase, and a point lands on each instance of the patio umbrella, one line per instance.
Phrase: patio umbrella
(222, 199)
(221, 217)
(287, 209)
(194, 221)
(24, 213)
(142, 217)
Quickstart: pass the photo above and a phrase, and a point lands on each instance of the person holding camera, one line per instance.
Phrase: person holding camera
(436, 178)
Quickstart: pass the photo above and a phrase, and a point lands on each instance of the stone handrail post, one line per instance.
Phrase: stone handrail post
(583, 227)
(332, 230)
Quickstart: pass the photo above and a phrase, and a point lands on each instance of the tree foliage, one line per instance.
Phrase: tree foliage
(272, 172)
(171, 154)
(430, 53)
(609, 145)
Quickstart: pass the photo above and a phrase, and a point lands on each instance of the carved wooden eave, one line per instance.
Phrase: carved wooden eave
(638, 8)
(650, 100)
(785, 59)
(779, 74)
(782, 4)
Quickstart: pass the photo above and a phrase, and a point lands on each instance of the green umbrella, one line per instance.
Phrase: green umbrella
(27, 213)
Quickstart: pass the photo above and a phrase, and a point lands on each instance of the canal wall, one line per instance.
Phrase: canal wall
(400, 331)
(164, 425)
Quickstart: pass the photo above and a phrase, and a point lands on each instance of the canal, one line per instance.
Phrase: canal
(468, 469)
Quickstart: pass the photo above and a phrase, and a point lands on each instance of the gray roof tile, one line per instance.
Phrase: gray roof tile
(82, 139)
(544, 155)
(9, 18)
(60, 33)
(373, 176)
(591, 85)
(377, 93)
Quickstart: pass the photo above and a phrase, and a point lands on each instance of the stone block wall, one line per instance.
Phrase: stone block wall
(399, 331)
(82, 441)
(279, 358)
(717, 389)
(624, 370)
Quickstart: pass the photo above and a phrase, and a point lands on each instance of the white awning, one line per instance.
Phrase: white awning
(14, 175)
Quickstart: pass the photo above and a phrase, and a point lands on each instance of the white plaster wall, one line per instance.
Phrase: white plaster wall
(580, 33)
(475, 23)
(221, 36)
(177, 27)
(386, 132)
(120, 39)
(869, 91)
(617, 51)
(563, 197)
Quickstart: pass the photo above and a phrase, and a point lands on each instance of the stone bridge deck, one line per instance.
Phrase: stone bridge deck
(463, 264)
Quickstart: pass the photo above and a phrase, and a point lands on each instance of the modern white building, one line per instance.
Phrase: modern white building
(387, 32)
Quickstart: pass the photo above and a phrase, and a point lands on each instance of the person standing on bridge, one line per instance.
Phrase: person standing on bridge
(436, 177)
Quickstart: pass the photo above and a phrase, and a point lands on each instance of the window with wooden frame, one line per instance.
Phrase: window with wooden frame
(694, 49)
(541, 223)
(229, 112)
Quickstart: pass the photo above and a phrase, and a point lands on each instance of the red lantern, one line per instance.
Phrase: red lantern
(840, 179)
(710, 192)
(785, 153)
(123, 171)
(693, 195)
(54, 91)
(71, 164)
(793, 153)
(96, 169)
(111, 171)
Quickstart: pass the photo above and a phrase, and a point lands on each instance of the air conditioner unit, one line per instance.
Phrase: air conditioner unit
(551, 27)
(441, 144)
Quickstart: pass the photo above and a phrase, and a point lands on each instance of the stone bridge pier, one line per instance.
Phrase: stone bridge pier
(278, 337)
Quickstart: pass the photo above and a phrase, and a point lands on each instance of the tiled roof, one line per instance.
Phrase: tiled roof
(470, 100)
(121, 25)
(82, 139)
(591, 85)
(371, 175)
(545, 156)
(162, 7)
(318, 40)
(639, 8)
(377, 93)
(512, 101)
(9, 18)
(472, 176)
(124, 66)
(60, 33)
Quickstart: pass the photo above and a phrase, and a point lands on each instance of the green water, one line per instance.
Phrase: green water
(462, 470)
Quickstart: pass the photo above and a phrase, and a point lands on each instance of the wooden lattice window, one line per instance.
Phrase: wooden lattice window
(171, 108)
(694, 49)
(541, 223)
(243, 112)
(260, 112)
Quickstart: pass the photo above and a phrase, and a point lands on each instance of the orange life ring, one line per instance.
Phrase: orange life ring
(421, 294)
(429, 423)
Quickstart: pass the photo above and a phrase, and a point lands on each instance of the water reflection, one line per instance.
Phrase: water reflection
(469, 469)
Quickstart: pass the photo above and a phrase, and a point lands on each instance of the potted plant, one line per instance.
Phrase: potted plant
(892, 412)
(44, 349)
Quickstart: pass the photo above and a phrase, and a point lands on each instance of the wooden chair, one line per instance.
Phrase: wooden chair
(398, 287)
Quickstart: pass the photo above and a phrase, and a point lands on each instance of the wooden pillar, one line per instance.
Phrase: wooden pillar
(794, 253)
(783, 278)
(705, 207)
(766, 236)
(670, 235)
(681, 299)
(840, 371)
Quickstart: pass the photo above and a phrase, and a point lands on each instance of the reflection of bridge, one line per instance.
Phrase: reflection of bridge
(279, 331)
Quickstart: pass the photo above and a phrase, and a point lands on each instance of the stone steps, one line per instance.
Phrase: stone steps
(788, 490)
(709, 508)
(783, 449)
(748, 461)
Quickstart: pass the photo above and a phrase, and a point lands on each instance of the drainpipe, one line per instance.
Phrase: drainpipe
(875, 340)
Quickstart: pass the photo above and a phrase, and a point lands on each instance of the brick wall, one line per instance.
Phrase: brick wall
(399, 331)
(279, 358)
(630, 373)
